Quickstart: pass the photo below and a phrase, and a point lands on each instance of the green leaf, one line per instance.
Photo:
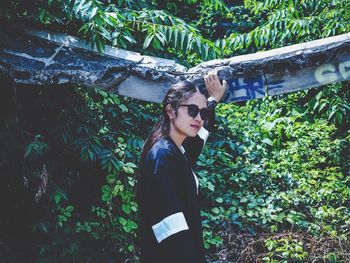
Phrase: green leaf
(106, 189)
(78, 5)
(58, 198)
(267, 141)
(93, 12)
(216, 210)
(148, 40)
(250, 213)
(219, 200)
(176, 33)
(126, 208)
(69, 208)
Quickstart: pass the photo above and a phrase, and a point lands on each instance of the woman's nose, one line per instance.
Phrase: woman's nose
(198, 117)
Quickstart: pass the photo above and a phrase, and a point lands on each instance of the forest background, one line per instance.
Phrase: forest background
(274, 176)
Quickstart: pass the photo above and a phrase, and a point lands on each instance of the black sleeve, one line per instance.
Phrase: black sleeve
(165, 212)
(194, 145)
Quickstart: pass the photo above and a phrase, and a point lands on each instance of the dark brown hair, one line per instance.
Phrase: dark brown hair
(176, 95)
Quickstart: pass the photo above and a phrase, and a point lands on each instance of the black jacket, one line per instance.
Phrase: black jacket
(170, 223)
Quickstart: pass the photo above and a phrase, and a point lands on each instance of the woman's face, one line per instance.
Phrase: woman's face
(182, 124)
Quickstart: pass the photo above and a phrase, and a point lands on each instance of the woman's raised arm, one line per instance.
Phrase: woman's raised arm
(194, 145)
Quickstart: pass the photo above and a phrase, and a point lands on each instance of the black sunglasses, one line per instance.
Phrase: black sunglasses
(193, 110)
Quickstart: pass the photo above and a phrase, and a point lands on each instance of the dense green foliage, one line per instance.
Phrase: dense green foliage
(190, 30)
(79, 154)
(277, 172)
(275, 167)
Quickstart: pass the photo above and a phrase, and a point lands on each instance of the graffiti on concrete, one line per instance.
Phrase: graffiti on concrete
(328, 73)
(245, 88)
(278, 84)
(253, 87)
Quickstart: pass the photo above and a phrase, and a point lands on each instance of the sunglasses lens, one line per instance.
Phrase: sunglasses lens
(193, 110)
(204, 114)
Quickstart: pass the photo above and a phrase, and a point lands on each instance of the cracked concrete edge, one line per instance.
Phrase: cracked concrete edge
(155, 75)
(147, 61)
(286, 51)
(167, 65)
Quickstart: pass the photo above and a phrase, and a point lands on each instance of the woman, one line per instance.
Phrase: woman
(167, 190)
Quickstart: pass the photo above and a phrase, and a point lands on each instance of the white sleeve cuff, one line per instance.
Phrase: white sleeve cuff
(170, 226)
(203, 134)
(211, 98)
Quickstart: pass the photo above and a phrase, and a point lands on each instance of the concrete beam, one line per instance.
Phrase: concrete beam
(36, 57)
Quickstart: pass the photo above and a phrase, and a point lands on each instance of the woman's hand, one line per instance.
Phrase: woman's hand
(214, 87)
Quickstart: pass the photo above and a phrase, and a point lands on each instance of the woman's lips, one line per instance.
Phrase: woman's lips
(195, 126)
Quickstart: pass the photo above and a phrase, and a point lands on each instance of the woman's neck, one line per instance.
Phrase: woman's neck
(176, 136)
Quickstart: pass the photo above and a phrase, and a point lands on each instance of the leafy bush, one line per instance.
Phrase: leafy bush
(275, 166)
(269, 169)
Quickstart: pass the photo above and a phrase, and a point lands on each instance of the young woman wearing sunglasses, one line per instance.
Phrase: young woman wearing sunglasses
(167, 189)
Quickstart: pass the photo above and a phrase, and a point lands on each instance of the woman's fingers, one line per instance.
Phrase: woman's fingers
(215, 87)
(214, 76)
(224, 82)
(211, 76)
(206, 81)
(212, 79)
